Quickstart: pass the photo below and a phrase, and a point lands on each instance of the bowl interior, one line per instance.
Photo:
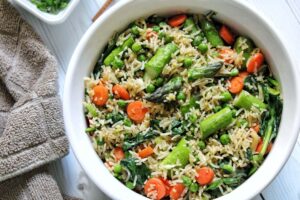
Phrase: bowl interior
(237, 15)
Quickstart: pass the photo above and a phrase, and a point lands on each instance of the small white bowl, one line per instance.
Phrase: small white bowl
(47, 17)
(237, 14)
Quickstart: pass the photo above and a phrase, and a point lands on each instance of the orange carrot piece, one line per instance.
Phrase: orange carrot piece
(136, 111)
(148, 151)
(205, 175)
(119, 153)
(167, 185)
(154, 188)
(227, 55)
(120, 92)
(256, 128)
(176, 191)
(243, 75)
(150, 34)
(100, 96)
(236, 85)
(177, 20)
(255, 62)
(226, 35)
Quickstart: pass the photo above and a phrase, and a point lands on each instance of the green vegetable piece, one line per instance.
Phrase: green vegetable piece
(129, 185)
(246, 100)
(197, 41)
(211, 33)
(136, 47)
(115, 53)
(246, 45)
(234, 72)
(117, 168)
(135, 30)
(203, 48)
(191, 25)
(161, 35)
(194, 187)
(122, 103)
(226, 96)
(215, 184)
(217, 109)
(181, 153)
(232, 181)
(138, 139)
(187, 62)
(215, 122)
(141, 58)
(186, 108)
(162, 24)
(173, 85)
(90, 129)
(228, 169)
(208, 71)
(169, 38)
(91, 108)
(156, 28)
(127, 122)
(193, 118)
(150, 88)
(242, 122)
(272, 91)
(187, 181)
(225, 139)
(117, 63)
(156, 64)
(201, 144)
(181, 96)
(159, 81)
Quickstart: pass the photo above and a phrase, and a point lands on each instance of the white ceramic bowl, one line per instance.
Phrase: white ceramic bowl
(47, 17)
(236, 14)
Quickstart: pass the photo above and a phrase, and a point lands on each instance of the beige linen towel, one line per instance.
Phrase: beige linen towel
(31, 126)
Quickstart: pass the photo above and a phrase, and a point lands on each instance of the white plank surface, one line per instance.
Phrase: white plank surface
(62, 40)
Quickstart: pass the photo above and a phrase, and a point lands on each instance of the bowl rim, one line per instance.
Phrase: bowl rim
(49, 18)
(113, 9)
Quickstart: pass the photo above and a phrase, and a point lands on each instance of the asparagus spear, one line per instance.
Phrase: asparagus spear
(181, 152)
(216, 122)
(208, 71)
(157, 63)
(111, 57)
(246, 100)
(173, 85)
(211, 33)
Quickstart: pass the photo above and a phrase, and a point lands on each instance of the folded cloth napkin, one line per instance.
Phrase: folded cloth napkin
(31, 126)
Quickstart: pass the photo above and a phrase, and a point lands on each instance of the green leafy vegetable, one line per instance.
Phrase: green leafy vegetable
(138, 139)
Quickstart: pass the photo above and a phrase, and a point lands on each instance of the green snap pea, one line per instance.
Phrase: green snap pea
(225, 139)
(117, 168)
(150, 88)
(156, 64)
(246, 100)
(181, 153)
(216, 122)
(136, 47)
(211, 33)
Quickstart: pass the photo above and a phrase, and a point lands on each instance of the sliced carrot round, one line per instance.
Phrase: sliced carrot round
(120, 92)
(226, 35)
(177, 20)
(167, 185)
(119, 153)
(155, 189)
(100, 96)
(255, 62)
(148, 151)
(136, 111)
(205, 175)
(243, 75)
(176, 191)
(236, 85)
(227, 55)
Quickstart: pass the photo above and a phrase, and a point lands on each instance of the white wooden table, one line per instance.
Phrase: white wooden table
(62, 40)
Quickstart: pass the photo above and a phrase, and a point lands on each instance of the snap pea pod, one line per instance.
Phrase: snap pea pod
(181, 153)
(211, 33)
(208, 71)
(189, 23)
(157, 63)
(246, 100)
(246, 45)
(173, 85)
(215, 122)
(111, 57)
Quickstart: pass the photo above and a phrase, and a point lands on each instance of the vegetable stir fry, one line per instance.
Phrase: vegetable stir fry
(182, 107)
(51, 6)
